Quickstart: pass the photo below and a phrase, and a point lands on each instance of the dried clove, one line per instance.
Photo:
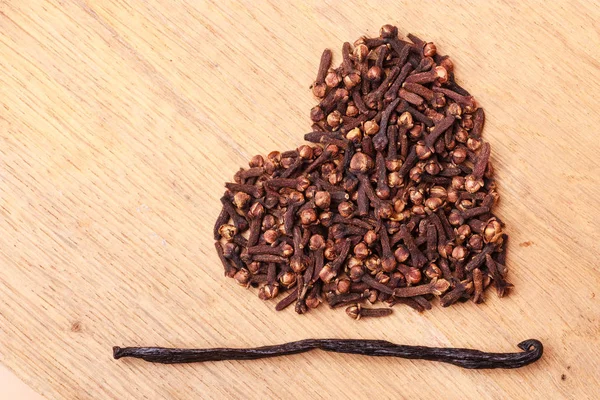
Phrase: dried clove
(357, 312)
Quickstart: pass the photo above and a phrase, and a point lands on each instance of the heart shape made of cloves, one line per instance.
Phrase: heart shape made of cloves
(391, 202)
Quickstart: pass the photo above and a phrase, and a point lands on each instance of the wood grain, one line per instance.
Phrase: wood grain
(120, 121)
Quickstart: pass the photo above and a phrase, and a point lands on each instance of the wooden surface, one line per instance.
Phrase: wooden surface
(11, 387)
(120, 121)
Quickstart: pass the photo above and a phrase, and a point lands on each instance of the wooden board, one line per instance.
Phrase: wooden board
(120, 121)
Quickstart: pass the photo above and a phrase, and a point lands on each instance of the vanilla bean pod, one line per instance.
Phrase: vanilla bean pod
(465, 358)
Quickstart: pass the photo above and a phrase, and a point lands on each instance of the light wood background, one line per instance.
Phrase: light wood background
(120, 121)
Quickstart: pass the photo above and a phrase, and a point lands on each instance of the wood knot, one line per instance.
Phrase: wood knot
(76, 326)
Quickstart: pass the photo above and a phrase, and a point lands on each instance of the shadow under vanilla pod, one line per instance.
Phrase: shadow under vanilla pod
(393, 204)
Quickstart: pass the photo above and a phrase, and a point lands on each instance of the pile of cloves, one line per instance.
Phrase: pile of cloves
(392, 202)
